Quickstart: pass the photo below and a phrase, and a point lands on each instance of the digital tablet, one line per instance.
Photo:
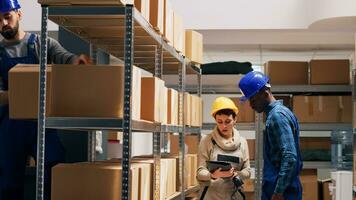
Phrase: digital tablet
(214, 165)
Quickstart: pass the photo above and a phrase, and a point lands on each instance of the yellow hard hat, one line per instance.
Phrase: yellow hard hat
(222, 103)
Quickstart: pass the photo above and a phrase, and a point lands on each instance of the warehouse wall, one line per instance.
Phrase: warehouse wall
(292, 14)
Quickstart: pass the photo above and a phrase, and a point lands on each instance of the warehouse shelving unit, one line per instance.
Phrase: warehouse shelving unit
(119, 30)
(258, 126)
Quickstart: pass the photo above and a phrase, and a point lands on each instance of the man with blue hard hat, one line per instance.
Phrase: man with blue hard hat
(18, 138)
(282, 161)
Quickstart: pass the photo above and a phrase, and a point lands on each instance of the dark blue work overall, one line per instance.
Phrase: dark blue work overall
(270, 171)
(18, 138)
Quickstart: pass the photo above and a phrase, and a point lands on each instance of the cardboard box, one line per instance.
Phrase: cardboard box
(168, 177)
(150, 92)
(163, 97)
(246, 113)
(87, 91)
(23, 91)
(192, 142)
(324, 192)
(144, 7)
(314, 143)
(309, 180)
(91, 181)
(330, 72)
(251, 148)
(249, 189)
(115, 135)
(157, 14)
(178, 34)
(168, 21)
(187, 109)
(172, 107)
(194, 46)
(137, 74)
(324, 109)
(278, 72)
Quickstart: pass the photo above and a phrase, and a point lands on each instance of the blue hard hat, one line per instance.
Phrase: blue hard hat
(9, 5)
(252, 83)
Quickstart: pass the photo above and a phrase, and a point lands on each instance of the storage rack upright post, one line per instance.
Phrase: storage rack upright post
(139, 38)
(258, 126)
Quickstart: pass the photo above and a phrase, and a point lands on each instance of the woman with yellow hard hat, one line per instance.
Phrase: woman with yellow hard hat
(224, 143)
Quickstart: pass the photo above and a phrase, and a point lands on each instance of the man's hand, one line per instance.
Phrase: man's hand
(277, 196)
(4, 97)
(83, 60)
(222, 174)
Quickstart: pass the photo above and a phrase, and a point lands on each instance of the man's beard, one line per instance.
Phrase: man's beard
(10, 33)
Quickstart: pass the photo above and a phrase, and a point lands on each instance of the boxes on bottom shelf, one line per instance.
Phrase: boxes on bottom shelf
(168, 179)
(92, 181)
(324, 192)
(278, 72)
(23, 91)
(329, 72)
(324, 109)
(308, 179)
(190, 171)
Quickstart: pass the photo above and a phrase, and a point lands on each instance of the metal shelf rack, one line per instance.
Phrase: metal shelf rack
(124, 33)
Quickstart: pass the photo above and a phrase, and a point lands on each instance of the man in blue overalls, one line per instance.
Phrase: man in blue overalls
(18, 138)
(282, 161)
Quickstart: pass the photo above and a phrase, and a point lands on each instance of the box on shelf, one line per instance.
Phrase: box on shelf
(172, 107)
(168, 181)
(157, 14)
(192, 142)
(168, 21)
(324, 192)
(178, 34)
(278, 72)
(115, 135)
(324, 109)
(23, 91)
(329, 72)
(246, 113)
(151, 87)
(144, 7)
(187, 109)
(90, 91)
(92, 181)
(194, 46)
(315, 148)
(309, 180)
(251, 148)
